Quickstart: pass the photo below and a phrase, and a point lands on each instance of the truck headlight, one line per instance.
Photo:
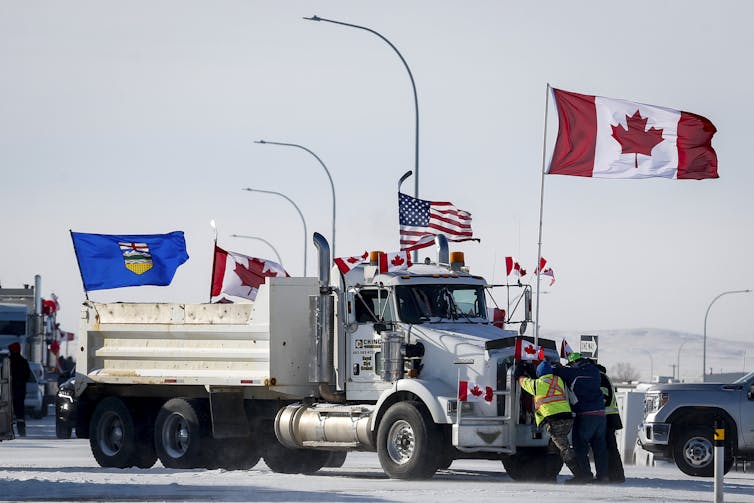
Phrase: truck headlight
(653, 401)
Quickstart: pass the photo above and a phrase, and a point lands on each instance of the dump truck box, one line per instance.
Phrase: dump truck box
(264, 344)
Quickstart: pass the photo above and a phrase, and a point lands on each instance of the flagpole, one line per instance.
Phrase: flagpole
(214, 259)
(78, 261)
(541, 210)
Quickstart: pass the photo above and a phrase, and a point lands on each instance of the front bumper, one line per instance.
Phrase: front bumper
(655, 437)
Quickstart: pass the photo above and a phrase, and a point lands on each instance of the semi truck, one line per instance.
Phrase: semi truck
(313, 368)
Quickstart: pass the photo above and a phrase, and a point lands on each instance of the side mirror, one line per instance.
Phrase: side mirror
(527, 305)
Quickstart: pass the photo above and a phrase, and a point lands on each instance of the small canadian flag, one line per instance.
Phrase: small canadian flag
(395, 261)
(469, 391)
(528, 351)
(565, 349)
(345, 264)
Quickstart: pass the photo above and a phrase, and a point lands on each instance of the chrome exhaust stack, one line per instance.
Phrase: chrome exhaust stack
(441, 245)
(321, 308)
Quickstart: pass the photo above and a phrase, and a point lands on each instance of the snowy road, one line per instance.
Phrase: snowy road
(43, 468)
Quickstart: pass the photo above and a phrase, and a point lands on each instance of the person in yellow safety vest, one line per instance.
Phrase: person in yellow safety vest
(614, 463)
(551, 407)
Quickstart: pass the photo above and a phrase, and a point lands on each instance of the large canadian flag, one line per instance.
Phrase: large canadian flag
(612, 138)
(241, 276)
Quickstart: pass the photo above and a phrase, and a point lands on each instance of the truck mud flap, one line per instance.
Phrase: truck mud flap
(228, 414)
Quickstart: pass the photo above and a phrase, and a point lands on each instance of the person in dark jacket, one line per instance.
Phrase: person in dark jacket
(19, 375)
(612, 420)
(589, 426)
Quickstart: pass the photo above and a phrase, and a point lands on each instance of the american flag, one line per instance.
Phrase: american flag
(422, 220)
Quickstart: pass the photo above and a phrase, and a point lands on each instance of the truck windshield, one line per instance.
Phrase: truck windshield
(433, 303)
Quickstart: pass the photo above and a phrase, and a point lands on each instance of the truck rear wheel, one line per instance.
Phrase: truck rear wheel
(180, 434)
(233, 454)
(335, 459)
(116, 440)
(280, 459)
(408, 442)
(694, 453)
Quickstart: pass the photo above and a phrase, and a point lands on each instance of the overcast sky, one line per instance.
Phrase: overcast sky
(139, 117)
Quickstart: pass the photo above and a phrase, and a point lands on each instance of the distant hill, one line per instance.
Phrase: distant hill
(636, 345)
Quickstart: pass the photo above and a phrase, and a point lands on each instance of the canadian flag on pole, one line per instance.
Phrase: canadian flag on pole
(239, 275)
(513, 269)
(528, 351)
(612, 138)
(565, 349)
(395, 261)
(550, 273)
(469, 391)
(345, 264)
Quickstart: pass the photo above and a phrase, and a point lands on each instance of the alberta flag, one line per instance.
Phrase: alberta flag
(118, 260)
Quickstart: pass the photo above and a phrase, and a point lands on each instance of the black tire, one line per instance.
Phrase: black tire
(335, 459)
(115, 440)
(694, 452)
(409, 443)
(181, 434)
(233, 454)
(63, 430)
(537, 465)
(283, 460)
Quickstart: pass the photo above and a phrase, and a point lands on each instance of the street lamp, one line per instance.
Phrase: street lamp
(262, 240)
(403, 178)
(413, 86)
(303, 221)
(327, 171)
(704, 347)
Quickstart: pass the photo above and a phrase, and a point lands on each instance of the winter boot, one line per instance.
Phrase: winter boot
(21, 427)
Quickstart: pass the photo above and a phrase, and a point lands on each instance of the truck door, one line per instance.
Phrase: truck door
(371, 305)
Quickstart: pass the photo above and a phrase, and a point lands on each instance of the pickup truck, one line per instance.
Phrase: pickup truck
(679, 423)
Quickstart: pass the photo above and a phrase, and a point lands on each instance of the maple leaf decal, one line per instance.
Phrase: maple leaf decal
(397, 260)
(530, 349)
(253, 275)
(636, 139)
(476, 390)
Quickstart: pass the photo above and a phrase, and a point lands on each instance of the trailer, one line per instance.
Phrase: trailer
(315, 367)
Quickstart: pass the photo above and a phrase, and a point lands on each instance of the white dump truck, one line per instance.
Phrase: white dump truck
(313, 368)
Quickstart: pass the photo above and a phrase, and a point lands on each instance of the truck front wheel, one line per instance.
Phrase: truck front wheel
(116, 439)
(694, 452)
(408, 442)
(179, 434)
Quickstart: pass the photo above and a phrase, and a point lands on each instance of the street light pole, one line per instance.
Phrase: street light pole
(413, 86)
(704, 344)
(678, 360)
(327, 171)
(403, 178)
(262, 240)
(303, 221)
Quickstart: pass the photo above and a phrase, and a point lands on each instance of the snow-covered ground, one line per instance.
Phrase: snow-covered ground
(43, 468)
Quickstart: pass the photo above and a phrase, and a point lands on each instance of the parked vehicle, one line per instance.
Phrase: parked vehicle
(680, 421)
(6, 400)
(366, 360)
(65, 409)
(34, 400)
